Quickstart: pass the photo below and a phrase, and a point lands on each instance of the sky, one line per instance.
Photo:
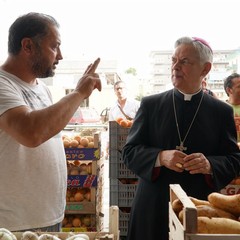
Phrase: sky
(128, 30)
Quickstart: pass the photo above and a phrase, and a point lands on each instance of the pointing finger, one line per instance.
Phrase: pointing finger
(92, 68)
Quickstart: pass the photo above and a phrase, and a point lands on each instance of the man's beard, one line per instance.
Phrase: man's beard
(39, 68)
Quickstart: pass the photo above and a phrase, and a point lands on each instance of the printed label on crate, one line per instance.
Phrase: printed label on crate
(82, 153)
(83, 208)
(81, 229)
(82, 181)
(231, 190)
(74, 207)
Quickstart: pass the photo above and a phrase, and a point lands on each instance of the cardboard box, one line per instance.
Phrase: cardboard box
(82, 153)
(82, 181)
(188, 230)
(94, 153)
(231, 189)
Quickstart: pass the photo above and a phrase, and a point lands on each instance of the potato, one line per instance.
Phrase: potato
(177, 205)
(218, 226)
(210, 211)
(229, 203)
(197, 201)
(180, 216)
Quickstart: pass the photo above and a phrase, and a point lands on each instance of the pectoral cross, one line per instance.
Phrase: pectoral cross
(181, 147)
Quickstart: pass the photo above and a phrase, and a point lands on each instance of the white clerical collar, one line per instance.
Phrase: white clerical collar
(188, 97)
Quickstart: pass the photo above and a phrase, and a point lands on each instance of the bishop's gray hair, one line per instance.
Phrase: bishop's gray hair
(204, 50)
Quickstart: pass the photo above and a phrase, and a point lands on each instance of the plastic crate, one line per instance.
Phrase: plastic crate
(121, 194)
(123, 222)
(117, 137)
(117, 168)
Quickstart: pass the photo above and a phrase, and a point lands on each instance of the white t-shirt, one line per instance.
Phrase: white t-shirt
(33, 180)
(130, 108)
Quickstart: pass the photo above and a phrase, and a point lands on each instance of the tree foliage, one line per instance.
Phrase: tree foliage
(132, 71)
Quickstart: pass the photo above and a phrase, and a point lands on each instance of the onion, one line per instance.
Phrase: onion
(29, 235)
(47, 236)
(5, 234)
(79, 237)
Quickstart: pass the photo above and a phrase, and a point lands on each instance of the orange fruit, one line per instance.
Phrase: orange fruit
(77, 162)
(237, 181)
(87, 196)
(78, 138)
(89, 168)
(80, 146)
(91, 145)
(123, 123)
(119, 119)
(130, 122)
(64, 221)
(74, 143)
(76, 222)
(84, 141)
(64, 136)
(78, 197)
(90, 138)
(66, 143)
(83, 167)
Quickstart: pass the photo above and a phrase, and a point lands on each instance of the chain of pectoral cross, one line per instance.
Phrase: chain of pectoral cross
(181, 146)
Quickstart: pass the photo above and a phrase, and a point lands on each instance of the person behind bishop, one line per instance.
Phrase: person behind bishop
(181, 136)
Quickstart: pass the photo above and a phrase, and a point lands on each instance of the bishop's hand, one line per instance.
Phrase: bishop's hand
(172, 159)
(197, 163)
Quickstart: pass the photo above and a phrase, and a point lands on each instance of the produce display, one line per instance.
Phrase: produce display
(219, 215)
(218, 225)
(124, 122)
(78, 141)
(229, 203)
(5, 234)
(77, 167)
(83, 156)
(78, 194)
(78, 220)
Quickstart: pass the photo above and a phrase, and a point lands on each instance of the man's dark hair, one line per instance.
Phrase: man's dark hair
(228, 81)
(118, 82)
(31, 25)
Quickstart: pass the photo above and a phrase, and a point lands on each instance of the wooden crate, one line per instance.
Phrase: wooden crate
(113, 233)
(188, 230)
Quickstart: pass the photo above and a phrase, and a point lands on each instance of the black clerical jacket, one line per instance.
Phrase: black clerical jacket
(213, 133)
